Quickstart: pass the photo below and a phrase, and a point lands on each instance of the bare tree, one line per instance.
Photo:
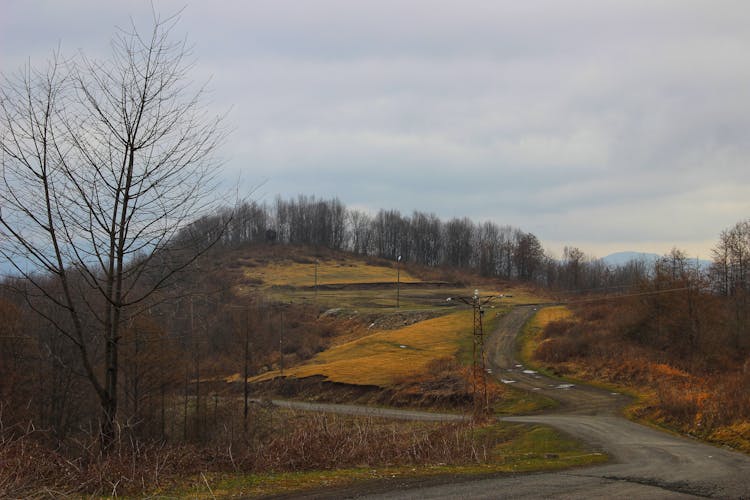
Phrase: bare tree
(731, 274)
(458, 236)
(103, 164)
(528, 256)
(574, 260)
(359, 230)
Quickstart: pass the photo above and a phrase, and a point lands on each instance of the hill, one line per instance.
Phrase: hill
(387, 326)
(621, 258)
(322, 314)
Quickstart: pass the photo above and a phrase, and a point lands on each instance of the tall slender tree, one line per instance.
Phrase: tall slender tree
(103, 163)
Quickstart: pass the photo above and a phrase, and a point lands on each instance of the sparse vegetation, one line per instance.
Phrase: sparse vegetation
(281, 451)
(595, 344)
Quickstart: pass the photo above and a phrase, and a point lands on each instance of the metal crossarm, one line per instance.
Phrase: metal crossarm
(479, 365)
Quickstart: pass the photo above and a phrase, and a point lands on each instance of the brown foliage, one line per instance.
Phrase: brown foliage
(276, 441)
(444, 383)
(694, 376)
(565, 340)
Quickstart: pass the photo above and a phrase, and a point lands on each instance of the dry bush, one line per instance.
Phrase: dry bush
(682, 403)
(594, 312)
(275, 441)
(564, 341)
(446, 365)
(716, 408)
(444, 382)
(25, 465)
(30, 469)
(558, 328)
(321, 441)
(733, 394)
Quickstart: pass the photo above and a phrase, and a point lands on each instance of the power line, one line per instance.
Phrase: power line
(617, 297)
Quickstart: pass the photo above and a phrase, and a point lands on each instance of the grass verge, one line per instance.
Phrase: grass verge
(520, 402)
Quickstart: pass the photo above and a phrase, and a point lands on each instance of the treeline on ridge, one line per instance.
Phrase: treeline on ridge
(486, 248)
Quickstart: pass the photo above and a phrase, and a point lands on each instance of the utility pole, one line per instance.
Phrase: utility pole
(479, 365)
(479, 371)
(281, 343)
(246, 367)
(398, 281)
(196, 360)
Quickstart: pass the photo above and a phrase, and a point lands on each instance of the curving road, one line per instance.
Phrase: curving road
(646, 463)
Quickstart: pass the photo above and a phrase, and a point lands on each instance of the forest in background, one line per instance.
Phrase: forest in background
(486, 248)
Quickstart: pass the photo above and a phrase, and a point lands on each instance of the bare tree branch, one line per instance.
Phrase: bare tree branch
(103, 164)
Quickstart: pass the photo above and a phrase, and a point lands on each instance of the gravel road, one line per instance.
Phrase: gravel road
(646, 463)
(369, 411)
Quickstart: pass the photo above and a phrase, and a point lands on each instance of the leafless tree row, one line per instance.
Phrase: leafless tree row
(490, 249)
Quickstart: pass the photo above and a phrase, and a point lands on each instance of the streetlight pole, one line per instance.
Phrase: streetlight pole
(246, 367)
(281, 345)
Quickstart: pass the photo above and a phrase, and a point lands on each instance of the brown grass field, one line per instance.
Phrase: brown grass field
(385, 357)
(329, 272)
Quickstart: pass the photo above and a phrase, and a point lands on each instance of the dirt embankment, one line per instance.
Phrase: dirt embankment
(380, 285)
(449, 393)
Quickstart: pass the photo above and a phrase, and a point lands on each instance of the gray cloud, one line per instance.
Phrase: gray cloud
(592, 123)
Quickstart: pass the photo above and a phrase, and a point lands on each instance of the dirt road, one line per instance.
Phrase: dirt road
(368, 411)
(646, 463)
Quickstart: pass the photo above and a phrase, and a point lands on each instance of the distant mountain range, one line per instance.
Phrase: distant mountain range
(621, 258)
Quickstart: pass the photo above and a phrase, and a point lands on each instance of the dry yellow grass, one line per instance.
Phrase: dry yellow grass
(387, 356)
(330, 272)
(550, 314)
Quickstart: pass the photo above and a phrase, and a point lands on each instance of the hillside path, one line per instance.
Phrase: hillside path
(645, 463)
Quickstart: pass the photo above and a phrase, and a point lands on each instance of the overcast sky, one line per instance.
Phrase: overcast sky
(599, 124)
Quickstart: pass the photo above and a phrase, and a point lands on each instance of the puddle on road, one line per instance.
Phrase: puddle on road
(564, 387)
(529, 372)
(506, 381)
